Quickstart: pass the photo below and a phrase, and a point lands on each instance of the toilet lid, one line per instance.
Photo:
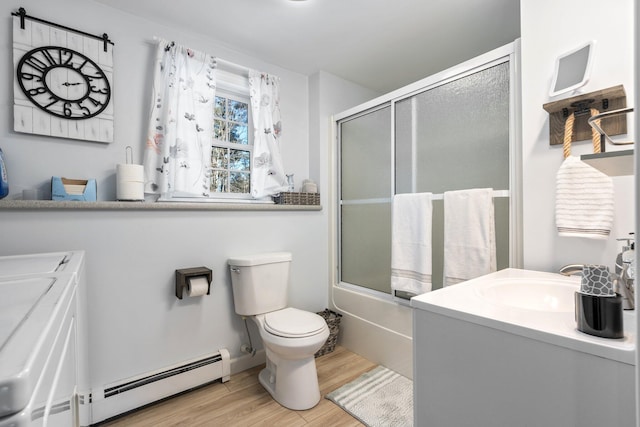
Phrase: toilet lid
(293, 323)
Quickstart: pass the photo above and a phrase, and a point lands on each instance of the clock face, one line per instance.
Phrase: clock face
(63, 82)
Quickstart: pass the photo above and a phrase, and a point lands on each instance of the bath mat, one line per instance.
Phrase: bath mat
(380, 397)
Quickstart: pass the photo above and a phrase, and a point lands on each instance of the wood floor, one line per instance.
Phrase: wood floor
(242, 401)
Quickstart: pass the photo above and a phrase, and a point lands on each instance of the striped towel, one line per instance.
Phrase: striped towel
(469, 234)
(584, 200)
(411, 243)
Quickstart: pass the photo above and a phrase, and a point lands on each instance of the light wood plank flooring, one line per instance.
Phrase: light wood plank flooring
(242, 401)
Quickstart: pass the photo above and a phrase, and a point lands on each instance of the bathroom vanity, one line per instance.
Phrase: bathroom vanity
(503, 350)
(41, 362)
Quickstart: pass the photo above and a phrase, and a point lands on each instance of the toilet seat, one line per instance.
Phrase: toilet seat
(293, 323)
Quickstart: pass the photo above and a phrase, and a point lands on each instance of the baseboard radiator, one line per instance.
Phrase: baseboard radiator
(132, 393)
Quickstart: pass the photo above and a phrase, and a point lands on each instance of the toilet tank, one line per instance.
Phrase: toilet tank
(260, 282)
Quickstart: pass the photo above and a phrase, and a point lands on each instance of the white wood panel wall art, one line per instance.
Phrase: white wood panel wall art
(63, 82)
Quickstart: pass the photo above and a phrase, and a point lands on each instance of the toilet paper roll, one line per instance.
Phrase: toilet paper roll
(128, 172)
(197, 286)
(129, 182)
(130, 190)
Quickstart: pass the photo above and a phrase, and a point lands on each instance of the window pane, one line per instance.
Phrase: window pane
(219, 182)
(231, 168)
(239, 182)
(238, 111)
(221, 107)
(220, 130)
(219, 158)
(239, 160)
(238, 134)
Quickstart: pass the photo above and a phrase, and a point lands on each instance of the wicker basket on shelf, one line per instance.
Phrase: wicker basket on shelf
(333, 322)
(293, 198)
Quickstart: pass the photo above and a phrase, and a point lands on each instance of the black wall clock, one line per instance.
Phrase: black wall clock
(63, 82)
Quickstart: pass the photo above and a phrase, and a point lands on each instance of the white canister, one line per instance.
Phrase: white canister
(308, 186)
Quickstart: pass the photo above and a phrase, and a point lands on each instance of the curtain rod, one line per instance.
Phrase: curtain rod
(22, 13)
(220, 61)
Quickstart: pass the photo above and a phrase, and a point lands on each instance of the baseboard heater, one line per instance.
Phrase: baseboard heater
(142, 390)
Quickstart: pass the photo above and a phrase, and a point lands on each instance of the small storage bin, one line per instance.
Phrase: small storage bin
(292, 198)
(333, 322)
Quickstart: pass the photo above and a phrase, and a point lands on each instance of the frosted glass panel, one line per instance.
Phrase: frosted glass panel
(366, 156)
(456, 135)
(366, 246)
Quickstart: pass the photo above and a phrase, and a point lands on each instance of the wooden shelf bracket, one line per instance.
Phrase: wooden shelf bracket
(613, 98)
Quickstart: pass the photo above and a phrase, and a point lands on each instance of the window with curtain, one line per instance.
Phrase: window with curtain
(214, 134)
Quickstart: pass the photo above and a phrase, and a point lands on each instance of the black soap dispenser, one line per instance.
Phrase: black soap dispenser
(598, 307)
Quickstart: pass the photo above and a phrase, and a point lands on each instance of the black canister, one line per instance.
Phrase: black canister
(599, 315)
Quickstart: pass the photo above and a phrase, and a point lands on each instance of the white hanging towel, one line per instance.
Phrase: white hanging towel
(411, 243)
(584, 200)
(469, 235)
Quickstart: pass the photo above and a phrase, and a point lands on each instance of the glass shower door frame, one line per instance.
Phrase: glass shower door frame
(508, 53)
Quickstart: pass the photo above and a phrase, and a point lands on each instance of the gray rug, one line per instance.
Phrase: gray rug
(380, 397)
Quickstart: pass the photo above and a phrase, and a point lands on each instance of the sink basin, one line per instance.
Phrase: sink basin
(539, 295)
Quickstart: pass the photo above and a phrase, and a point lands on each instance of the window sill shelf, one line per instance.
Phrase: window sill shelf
(161, 206)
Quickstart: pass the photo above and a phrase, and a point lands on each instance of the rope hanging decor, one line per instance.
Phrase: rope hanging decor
(595, 136)
(568, 134)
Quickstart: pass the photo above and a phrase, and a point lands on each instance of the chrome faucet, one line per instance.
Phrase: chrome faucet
(626, 273)
(625, 286)
(571, 269)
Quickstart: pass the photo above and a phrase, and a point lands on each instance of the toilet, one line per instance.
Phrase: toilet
(290, 336)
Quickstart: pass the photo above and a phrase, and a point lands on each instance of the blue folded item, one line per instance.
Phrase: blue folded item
(84, 190)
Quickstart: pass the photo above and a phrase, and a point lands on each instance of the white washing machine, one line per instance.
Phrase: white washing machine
(42, 353)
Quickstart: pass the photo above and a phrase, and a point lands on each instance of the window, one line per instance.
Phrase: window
(232, 146)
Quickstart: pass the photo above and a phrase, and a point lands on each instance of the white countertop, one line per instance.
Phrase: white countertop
(465, 301)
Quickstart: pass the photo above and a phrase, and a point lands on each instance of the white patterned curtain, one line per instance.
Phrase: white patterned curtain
(178, 151)
(267, 177)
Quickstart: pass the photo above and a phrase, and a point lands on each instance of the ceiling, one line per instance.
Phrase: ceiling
(379, 44)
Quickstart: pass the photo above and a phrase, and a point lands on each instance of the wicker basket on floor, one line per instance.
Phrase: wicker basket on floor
(333, 322)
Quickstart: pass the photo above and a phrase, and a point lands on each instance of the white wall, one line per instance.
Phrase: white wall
(136, 323)
(550, 28)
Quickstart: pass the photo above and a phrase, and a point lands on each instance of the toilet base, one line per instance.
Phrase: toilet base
(294, 384)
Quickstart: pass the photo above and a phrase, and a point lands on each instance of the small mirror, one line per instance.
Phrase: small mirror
(572, 69)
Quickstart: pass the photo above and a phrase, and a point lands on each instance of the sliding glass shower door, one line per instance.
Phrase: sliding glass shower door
(453, 134)
(365, 192)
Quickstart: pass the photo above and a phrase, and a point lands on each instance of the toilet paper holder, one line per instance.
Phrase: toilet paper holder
(184, 274)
